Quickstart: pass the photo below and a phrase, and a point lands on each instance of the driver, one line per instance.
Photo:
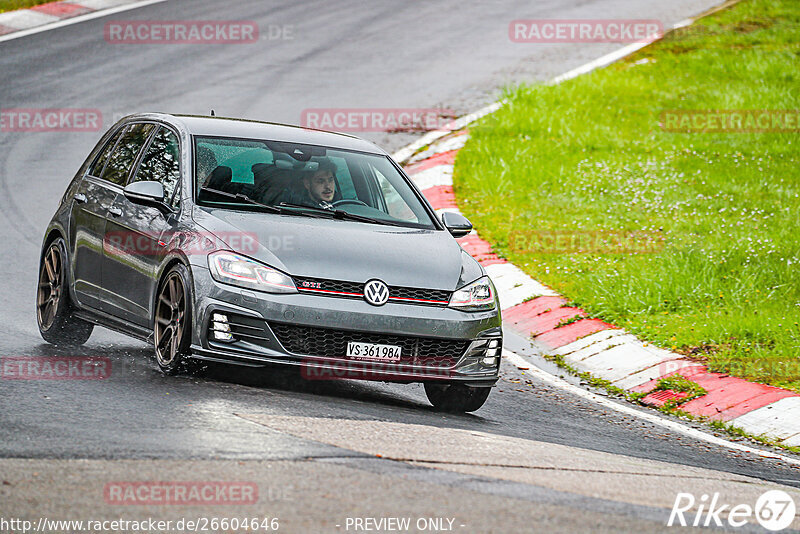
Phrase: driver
(320, 185)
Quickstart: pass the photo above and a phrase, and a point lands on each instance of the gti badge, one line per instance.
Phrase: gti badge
(376, 293)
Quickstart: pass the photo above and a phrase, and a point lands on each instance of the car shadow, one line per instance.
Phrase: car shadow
(138, 360)
(373, 393)
(290, 380)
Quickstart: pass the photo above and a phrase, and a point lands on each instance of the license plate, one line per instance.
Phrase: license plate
(373, 351)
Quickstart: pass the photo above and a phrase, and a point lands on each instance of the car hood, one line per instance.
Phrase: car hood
(344, 250)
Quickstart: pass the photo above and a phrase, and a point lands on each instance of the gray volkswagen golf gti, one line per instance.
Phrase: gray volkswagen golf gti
(252, 243)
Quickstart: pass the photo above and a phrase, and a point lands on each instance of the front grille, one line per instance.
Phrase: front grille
(329, 286)
(419, 294)
(339, 288)
(325, 342)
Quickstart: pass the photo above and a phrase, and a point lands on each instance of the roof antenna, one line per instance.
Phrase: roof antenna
(212, 113)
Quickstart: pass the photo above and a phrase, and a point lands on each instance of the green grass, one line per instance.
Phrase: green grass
(10, 5)
(711, 263)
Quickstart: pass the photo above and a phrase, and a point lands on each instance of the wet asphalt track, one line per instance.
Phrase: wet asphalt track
(454, 55)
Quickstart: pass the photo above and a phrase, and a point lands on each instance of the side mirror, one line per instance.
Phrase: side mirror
(456, 224)
(147, 193)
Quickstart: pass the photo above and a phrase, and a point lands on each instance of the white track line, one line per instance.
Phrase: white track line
(602, 61)
(79, 18)
(462, 122)
(544, 376)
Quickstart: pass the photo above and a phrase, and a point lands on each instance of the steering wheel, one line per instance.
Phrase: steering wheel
(345, 201)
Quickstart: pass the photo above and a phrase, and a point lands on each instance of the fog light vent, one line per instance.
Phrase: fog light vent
(492, 353)
(220, 329)
(222, 336)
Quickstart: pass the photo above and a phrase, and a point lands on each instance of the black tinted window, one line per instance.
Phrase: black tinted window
(161, 162)
(97, 167)
(121, 160)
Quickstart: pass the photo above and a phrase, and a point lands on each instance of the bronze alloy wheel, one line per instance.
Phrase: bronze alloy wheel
(54, 308)
(170, 321)
(50, 287)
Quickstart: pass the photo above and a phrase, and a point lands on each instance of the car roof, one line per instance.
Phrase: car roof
(251, 129)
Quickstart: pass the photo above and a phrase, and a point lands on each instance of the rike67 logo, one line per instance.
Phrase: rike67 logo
(774, 510)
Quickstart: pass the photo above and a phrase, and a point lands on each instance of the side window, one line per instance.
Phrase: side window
(161, 163)
(121, 160)
(395, 204)
(97, 167)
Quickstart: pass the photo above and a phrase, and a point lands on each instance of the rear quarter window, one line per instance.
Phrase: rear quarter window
(96, 169)
(122, 159)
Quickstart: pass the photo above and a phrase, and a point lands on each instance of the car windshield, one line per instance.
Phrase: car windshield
(238, 173)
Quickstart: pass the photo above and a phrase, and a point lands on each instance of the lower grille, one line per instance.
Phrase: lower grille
(325, 342)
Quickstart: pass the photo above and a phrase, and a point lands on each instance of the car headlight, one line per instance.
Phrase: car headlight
(477, 296)
(240, 271)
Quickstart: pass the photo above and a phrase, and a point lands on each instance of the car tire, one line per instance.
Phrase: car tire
(456, 398)
(54, 309)
(172, 321)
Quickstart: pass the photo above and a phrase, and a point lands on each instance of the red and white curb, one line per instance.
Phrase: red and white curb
(631, 411)
(14, 24)
(595, 346)
(589, 344)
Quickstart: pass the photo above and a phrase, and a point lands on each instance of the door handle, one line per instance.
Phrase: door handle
(115, 212)
(80, 198)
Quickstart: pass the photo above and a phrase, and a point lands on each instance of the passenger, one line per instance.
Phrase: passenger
(320, 185)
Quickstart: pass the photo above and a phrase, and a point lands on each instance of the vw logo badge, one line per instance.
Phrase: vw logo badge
(376, 293)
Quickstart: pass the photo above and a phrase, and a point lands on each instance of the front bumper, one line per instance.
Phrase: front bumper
(264, 312)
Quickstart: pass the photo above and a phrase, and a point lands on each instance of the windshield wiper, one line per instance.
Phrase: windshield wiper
(339, 214)
(244, 198)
